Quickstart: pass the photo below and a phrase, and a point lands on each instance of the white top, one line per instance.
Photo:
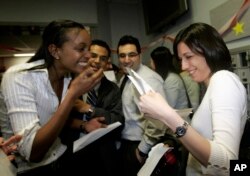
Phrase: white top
(31, 105)
(220, 118)
(175, 91)
(137, 127)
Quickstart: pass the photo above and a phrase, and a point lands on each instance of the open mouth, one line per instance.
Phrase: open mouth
(83, 63)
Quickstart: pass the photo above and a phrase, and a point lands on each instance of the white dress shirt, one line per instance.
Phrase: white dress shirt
(27, 103)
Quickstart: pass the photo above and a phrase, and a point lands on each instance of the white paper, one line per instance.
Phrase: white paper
(110, 75)
(153, 158)
(141, 85)
(92, 136)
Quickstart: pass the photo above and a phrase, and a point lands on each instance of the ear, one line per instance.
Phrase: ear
(53, 51)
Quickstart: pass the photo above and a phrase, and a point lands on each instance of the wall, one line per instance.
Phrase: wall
(199, 12)
(44, 11)
(110, 19)
(125, 19)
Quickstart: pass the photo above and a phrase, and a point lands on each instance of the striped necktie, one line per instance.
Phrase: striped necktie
(92, 98)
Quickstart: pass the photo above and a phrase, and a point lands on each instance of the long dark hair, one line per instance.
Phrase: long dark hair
(54, 33)
(203, 39)
(163, 60)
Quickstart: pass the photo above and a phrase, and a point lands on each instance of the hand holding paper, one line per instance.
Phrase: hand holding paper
(141, 85)
(153, 158)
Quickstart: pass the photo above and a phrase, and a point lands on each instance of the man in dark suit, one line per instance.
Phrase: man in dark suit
(96, 112)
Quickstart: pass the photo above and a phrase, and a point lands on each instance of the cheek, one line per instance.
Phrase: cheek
(121, 61)
(136, 61)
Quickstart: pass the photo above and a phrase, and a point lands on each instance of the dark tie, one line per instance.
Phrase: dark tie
(123, 82)
(92, 98)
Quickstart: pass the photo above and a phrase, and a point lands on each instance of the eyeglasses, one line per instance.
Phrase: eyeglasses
(130, 55)
(102, 58)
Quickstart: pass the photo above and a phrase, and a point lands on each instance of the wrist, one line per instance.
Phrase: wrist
(90, 111)
(181, 130)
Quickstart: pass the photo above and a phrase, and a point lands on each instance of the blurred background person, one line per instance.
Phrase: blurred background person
(162, 63)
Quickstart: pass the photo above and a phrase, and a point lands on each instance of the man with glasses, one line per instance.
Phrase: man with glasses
(97, 111)
(139, 133)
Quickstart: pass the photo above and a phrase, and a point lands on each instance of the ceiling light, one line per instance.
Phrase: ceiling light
(24, 55)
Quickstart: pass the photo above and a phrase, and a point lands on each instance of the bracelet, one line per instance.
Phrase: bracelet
(82, 127)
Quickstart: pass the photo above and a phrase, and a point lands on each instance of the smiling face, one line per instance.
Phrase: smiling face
(73, 55)
(195, 64)
(128, 57)
(98, 57)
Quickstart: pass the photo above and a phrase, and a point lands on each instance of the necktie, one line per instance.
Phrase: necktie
(92, 98)
(123, 82)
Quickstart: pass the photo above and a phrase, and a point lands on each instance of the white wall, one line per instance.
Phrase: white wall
(199, 12)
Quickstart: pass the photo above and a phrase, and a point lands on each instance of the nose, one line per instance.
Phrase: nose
(127, 59)
(184, 64)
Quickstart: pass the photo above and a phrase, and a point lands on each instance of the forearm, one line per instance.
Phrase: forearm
(197, 145)
(47, 134)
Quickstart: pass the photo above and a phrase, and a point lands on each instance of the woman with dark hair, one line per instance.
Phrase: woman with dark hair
(38, 96)
(213, 137)
(162, 63)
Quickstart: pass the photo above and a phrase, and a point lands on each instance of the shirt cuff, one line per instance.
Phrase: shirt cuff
(144, 147)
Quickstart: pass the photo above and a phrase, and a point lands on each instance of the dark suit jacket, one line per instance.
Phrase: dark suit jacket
(102, 153)
(109, 103)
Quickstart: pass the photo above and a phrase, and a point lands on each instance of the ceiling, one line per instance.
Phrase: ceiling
(24, 38)
(19, 39)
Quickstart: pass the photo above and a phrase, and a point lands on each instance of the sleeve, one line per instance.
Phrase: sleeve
(154, 129)
(18, 91)
(171, 88)
(228, 107)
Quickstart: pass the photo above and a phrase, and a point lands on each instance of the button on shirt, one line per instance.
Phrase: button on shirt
(31, 106)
